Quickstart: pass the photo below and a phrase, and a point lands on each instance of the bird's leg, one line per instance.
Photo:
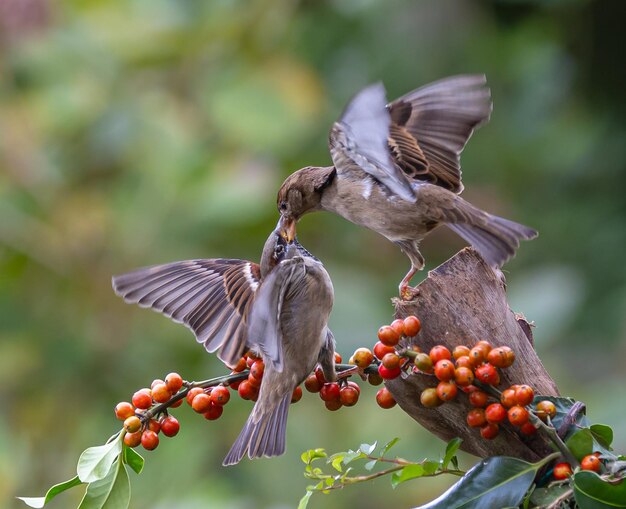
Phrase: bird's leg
(408, 292)
(411, 249)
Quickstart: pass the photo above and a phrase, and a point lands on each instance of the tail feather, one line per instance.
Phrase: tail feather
(264, 436)
(496, 239)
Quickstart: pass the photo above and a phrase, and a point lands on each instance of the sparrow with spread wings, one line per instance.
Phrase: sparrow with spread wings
(279, 308)
(396, 170)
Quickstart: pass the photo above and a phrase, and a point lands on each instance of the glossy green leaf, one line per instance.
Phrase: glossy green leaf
(542, 497)
(580, 443)
(388, 446)
(451, 450)
(413, 472)
(133, 459)
(494, 482)
(336, 461)
(592, 492)
(95, 463)
(602, 434)
(110, 492)
(312, 455)
(52, 492)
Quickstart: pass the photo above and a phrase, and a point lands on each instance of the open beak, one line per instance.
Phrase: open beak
(288, 229)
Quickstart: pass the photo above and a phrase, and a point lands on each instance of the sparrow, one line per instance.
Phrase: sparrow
(278, 308)
(396, 170)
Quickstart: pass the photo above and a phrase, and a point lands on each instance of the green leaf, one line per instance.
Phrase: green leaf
(311, 455)
(388, 446)
(336, 460)
(580, 443)
(602, 434)
(52, 492)
(591, 492)
(494, 482)
(304, 501)
(95, 463)
(110, 492)
(133, 459)
(563, 406)
(414, 471)
(367, 448)
(543, 497)
(370, 464)
(350, 456)
(451, 449)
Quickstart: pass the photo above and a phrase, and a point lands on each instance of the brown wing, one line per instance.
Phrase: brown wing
(431, 125)
(211, 297)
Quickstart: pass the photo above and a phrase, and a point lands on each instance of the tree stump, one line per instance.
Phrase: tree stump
(461, 302)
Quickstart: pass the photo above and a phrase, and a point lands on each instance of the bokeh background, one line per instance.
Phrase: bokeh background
(146, 131)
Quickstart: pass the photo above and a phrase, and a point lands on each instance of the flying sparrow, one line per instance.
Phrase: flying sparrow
(396, 170)
(279, 308)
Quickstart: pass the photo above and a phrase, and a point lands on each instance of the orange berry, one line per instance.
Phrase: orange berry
(591, 462)
(508, 398)
(220, 395)
(348, 396)
(388, 374)
(330, 392)
(398, 326)
(257, 369)
(333, 405)
(374, 379)
(423, 362)
(439, 352)
(476, 418)
(391, 361)
(170, 426)
(132, 424)
(478, 398)
(124, 410)
(546, 409)
(363, 357)
(464, 362)
(495, 413)
(380, 350)
(412, 325)
(214, 412)
(460, 351)
(149, 440)
(296, 395)
(384, 398)
(524, 395)
(485, 345)
(562, 471)
(312, 384)
(193, 393)
(446, 391)
(132, 439)
(154, 425)
(477, 356)
(160, 393)
(174, 382)
(518, 415)
(498, 357)
(463, 377)
(486, 373)
(490, 430)
(444, 370)
(201, 403)
(142, 399)
(528, 429)
(388, 336)
(240, 366)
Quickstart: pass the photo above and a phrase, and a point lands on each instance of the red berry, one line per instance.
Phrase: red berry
(591, 462)
(296, 395)
(391, 361)
(489, 430)
(464, 362)
(477, 356)
(176, 403)
(460, 351)
(446, 391)
(384, 398)
(142, 399)
(487, 374)
(312, 384)
(498, 357)
(546, 409)
(174, 382)
(476, 418)
(193, 393)
(132, 424)
(254, 381)
(220, 395)
(214, 412)
(348, 396)
(380, 350)
(333, 405)
(170, 426)
(485, 345)
(132, 439)
(495, 413)
(149, 440)
(478, 398)
(439, 352)
(319, 373)
(444, 370)
(388, 374)
(330, 392)
(398, 326)
(518, 415)
(153, 425)
(464, 377)
(508, 398)
(528, 429)
(201, 403)
(257, 369)
(160, 393)
(562, 471)
(388, 336)
(156, 381)
(355, 386)
(424, 363)
(412, 325)
(524, 395)
(429, 398)
(240, 366)
(124, 410)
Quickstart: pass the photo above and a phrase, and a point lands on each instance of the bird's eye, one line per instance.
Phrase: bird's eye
(283, 205)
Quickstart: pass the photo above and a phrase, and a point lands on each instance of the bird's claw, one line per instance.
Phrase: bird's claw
(408, 293)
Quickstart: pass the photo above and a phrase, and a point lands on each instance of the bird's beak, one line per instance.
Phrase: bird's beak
(287, 229)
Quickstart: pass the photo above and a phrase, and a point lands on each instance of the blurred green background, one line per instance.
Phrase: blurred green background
(148, 131)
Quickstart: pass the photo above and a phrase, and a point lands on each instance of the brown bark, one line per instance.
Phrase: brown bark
(461, 302)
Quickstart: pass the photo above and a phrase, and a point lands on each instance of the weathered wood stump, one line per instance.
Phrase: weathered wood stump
(461, 302)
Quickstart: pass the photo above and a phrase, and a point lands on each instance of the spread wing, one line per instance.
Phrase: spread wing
(265, 327)
(359, 141)
(213, 298)
(431, 125)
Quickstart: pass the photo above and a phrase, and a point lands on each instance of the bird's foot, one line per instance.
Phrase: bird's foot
(408, 293)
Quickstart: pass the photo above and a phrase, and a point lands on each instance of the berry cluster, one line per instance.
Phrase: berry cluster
(562, 471)
(333, 394)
